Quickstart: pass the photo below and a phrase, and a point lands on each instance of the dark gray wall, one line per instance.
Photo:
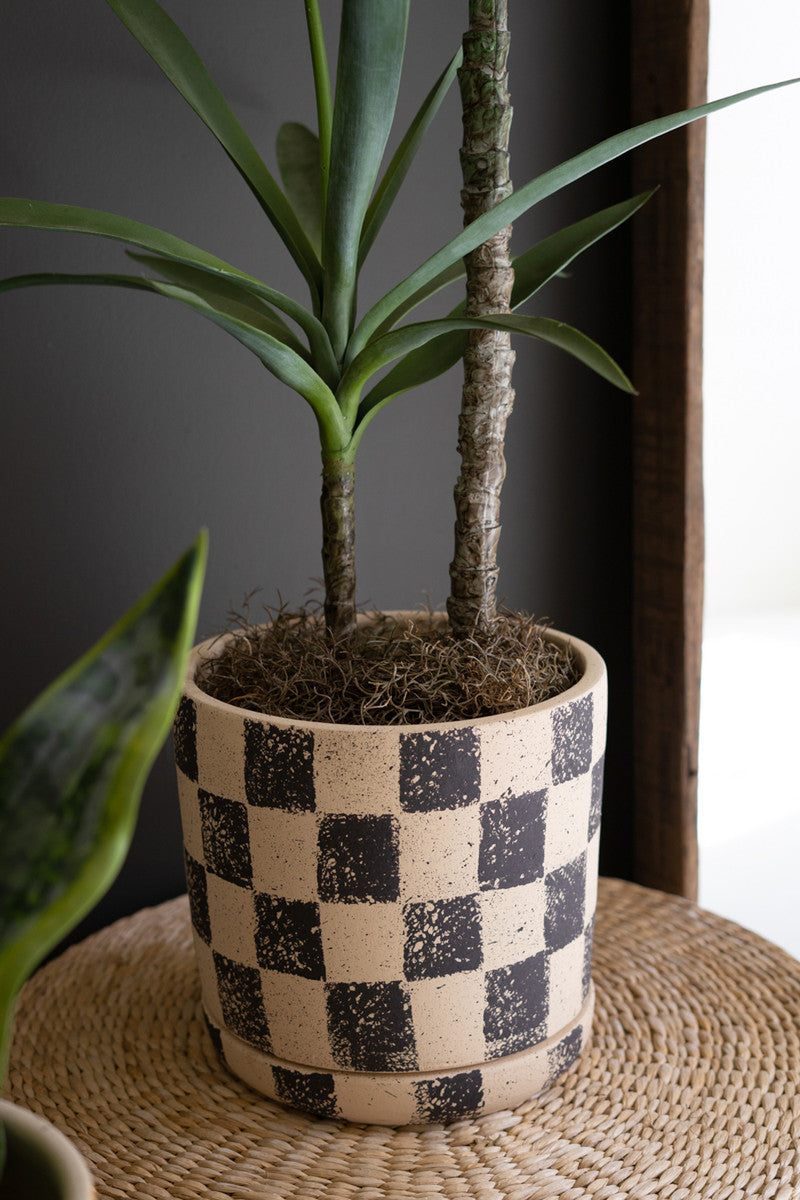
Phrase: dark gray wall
(129, 422)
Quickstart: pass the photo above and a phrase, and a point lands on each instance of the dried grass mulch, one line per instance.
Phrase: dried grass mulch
(392, 672)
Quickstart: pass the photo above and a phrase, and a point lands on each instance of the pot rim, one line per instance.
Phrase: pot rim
(594, 671)
(68, 1164)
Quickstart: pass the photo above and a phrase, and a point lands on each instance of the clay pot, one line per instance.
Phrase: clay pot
(393, 924)
(41, 1163)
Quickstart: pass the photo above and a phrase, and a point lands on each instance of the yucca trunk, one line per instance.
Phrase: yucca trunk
(487, 396)
(338, 545)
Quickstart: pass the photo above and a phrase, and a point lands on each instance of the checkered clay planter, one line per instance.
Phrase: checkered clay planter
(394, 923)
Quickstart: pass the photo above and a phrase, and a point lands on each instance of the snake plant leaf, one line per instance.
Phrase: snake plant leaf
(297, 150)
(371, 45)
(72, 769)
(403, 157)
(381, 315)
(535, 267)
(169, 48)
(41, 214)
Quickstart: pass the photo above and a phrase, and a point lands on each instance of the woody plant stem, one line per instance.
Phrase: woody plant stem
(487, 396)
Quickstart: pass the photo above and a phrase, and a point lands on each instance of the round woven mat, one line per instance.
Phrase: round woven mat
(691, 1087)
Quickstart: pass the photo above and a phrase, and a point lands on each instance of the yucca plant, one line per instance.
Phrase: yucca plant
(335, 196)
(72, 769)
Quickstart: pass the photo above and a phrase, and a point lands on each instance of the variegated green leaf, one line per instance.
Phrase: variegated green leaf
(72, 769)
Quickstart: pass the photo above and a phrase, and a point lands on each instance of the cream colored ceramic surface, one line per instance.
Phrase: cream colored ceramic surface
(394, 1099)
(414, 899)
(64, 1161)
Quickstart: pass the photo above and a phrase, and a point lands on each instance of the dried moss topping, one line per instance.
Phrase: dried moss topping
(392, 672)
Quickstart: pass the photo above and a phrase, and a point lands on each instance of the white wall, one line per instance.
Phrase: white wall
(749, 782)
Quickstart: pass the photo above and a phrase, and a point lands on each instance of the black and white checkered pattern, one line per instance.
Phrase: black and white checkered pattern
(393, 900)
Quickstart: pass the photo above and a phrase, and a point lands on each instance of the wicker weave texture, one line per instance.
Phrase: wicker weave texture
(690, 1089)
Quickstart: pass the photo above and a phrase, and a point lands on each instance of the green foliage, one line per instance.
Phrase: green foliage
(328, 214)
(72, 769)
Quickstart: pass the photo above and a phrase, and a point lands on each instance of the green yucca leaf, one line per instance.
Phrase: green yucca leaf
(158, 34)
(531, 271)
(419, 366)
(297, 150)
(225, 297)
(283, 362)
(434, 352)
(381, 315)
(401, 341)
(72, 769)
(404, 156)
(209, 298)
(367, 81)
(322, 92)
(40, 214)
(535, 267)
(277, 356)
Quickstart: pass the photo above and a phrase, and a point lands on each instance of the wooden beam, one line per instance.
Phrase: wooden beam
(669, 66)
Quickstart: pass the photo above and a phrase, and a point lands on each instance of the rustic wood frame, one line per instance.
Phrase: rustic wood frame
(669, 59)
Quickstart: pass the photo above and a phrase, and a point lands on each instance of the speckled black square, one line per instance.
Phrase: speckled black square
(595, 810)
(184, 737)
(370, 1026)
(565, 903)
(449, 1099)
(198, 897)
(512, 840)
(572, 739)
(442, 937)
(358, 858)
(517, 999)
(226, 838)
(242, 1001)
(439, 770)
(288, 936)
(564, 1054)
(279, 767)
(588, 944)
(310, 1091)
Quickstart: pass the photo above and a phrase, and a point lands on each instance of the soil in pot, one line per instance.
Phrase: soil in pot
(398, 671)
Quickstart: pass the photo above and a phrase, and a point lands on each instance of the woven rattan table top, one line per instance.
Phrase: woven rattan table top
(690, 1089)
